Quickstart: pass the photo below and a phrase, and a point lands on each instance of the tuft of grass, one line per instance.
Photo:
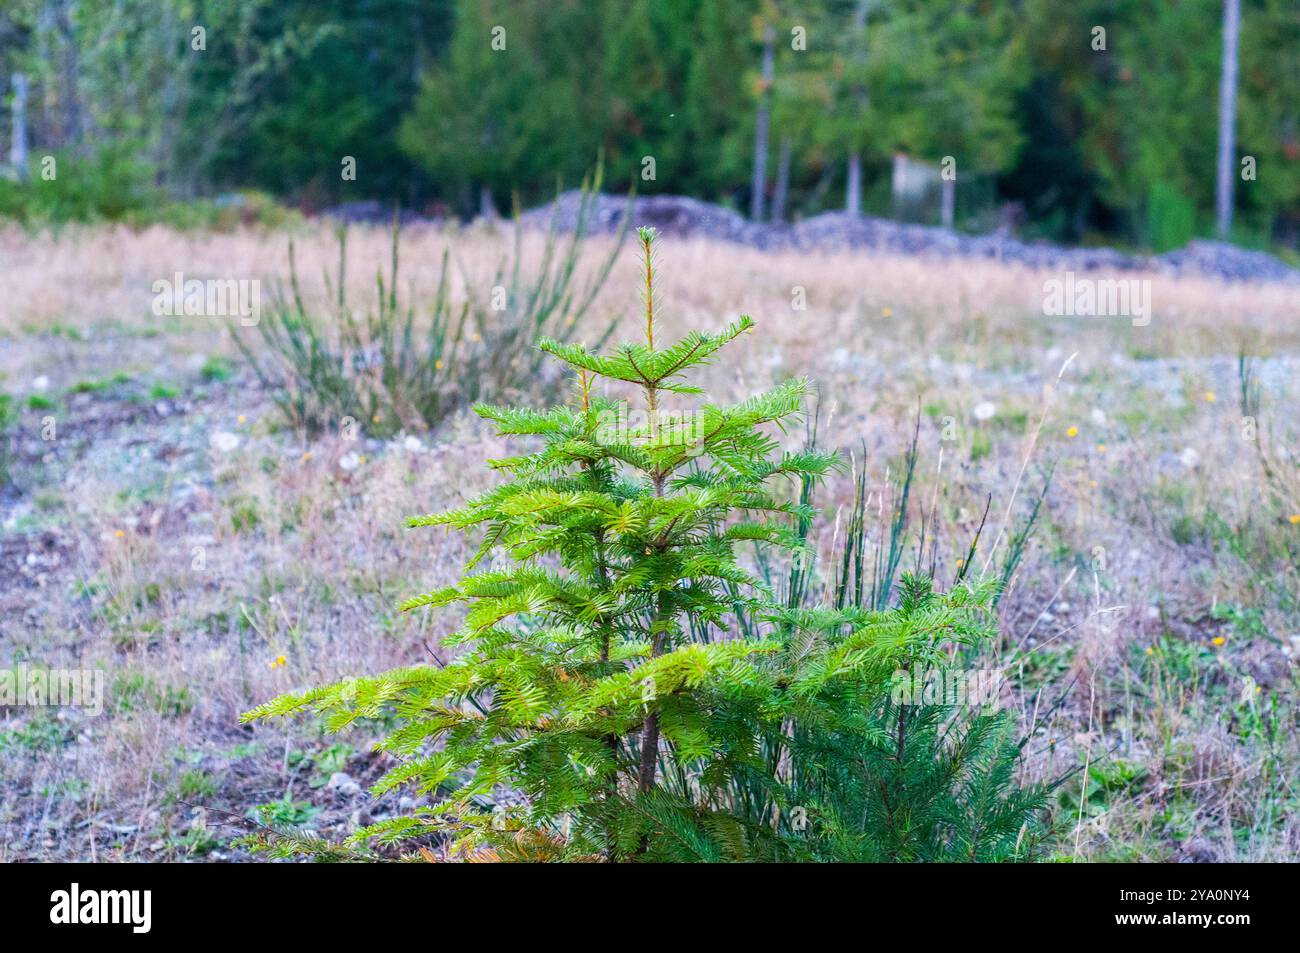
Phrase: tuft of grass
(391, 370)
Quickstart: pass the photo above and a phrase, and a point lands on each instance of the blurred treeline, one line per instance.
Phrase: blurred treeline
(1083, 142)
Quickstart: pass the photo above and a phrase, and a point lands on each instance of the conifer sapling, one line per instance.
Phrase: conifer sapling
(601, 675)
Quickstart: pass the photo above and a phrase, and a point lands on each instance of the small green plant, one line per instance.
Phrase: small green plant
(41, 732)
(197, 841)
(215, 370)
(1102, 784)
(285, 813)
(646, 692)
(392, 371)
(7, 417)
(244, 517)
(322, 763)
(196, 785)
(138, 692)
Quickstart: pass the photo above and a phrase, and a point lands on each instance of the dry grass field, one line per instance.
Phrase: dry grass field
(173, 531)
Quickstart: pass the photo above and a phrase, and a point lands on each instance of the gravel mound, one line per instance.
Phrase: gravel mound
(1227, 261)
(685, 217)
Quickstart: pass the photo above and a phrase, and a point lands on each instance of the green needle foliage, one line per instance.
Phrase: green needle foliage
(602, 675)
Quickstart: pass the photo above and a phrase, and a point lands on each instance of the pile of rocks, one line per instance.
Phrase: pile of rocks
(685, 217)
(1227, 261)
(674, 215)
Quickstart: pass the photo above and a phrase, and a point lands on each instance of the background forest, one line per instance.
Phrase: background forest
(1108, 137)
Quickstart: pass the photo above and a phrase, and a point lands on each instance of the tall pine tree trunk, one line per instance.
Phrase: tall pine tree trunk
(1227, 117)
(782, 189)
(64, 25)
(853, 186)
(947, 202)
(18, 141)
(761, 123)
(487, 209)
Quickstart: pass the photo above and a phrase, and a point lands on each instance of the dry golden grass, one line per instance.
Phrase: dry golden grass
(304, 557)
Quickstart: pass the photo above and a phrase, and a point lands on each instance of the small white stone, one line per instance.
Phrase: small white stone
(349, 461)
(41, 383)
(413, 445)
(1098, 416)
(343, 784)
(1189, 457)
(224, 441)
(985, 410)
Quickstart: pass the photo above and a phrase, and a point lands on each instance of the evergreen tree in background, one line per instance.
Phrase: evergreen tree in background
(1118, 140)
(1141, 115)
(511, 105)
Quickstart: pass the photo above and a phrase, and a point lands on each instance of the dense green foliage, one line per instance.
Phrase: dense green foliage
(435, 111)
(604, 676)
